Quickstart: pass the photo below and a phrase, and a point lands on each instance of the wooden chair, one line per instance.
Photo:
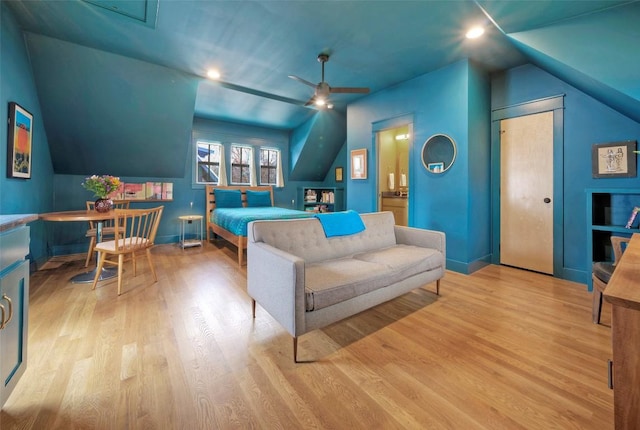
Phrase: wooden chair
(601, 275)
(107, 227)
(134, 231)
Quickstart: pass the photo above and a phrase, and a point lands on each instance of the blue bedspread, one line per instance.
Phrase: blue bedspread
(235, 220)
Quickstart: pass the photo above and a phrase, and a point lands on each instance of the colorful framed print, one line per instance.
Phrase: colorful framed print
(19, 142)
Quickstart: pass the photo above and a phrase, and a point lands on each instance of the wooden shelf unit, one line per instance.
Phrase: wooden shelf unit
(336, 206)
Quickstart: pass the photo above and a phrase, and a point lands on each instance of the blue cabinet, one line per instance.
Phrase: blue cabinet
(608, 211)
(14, 307)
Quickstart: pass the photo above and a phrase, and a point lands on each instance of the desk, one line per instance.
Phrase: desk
(86, 215)
(623, 292)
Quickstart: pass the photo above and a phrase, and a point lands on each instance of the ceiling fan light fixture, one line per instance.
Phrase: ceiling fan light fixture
(475, 32)
(323, 91)
(213, 74)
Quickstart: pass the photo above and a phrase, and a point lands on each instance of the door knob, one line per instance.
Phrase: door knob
(547, 200)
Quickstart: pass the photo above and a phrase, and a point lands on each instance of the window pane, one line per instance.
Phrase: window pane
(245, 175)
(235, 154)
(235, 174)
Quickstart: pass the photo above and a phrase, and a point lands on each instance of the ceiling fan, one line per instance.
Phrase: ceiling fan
(320, 97)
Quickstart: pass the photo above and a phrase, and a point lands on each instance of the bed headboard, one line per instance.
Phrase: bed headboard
(211, 197)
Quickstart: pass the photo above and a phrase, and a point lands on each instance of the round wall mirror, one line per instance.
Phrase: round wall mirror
(438, 153)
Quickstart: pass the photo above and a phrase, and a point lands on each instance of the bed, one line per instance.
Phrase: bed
(231, 208)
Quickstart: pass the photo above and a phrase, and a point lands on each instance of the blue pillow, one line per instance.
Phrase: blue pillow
(257, 199)
(228, 198)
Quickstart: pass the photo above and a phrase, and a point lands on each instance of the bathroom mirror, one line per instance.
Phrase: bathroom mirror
(438, 153)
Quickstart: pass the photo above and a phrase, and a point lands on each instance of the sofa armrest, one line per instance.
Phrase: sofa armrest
(421, 237)
(275, 279)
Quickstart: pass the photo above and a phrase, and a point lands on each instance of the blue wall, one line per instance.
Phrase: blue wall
(586, 121)
(69, 238)
(453, 101)
(33, 195)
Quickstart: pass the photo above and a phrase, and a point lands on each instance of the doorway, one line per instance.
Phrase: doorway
(526, 192)
(393, 147)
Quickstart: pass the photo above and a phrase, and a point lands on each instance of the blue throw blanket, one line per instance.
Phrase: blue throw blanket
(341, 223)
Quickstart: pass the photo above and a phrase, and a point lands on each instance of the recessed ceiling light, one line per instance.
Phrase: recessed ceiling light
(475, 32)
(213, 74)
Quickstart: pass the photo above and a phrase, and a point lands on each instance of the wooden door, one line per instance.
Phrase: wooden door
(526, 192)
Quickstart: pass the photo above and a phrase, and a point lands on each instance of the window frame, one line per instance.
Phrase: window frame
(271, 168)
(198, 163)
(242, 166)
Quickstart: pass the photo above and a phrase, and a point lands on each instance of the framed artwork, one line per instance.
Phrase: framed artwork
(435, 167)
(359, 164)
(19, 139)
(614, 160)
(338, 174)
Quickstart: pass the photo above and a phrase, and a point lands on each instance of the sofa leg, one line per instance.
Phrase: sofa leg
(438, 287)
(253, 308)
(295, 349)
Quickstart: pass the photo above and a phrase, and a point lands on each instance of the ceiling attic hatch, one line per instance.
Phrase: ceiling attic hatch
(140, 11)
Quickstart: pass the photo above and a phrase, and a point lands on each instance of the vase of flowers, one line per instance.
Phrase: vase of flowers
(102, 187)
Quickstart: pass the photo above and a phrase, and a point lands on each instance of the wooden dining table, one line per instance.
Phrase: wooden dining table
(86, 215)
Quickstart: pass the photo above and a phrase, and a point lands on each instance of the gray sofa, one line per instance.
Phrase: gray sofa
(307, 281)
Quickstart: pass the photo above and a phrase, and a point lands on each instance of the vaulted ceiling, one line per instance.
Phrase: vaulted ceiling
(133, 73)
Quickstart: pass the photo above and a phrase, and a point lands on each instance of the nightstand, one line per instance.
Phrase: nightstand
(187, 220)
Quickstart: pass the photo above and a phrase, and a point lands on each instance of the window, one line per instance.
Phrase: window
(268, 166)
(208, 162)
(240, 164)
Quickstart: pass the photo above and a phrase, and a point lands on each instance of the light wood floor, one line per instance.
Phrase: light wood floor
(500, 349)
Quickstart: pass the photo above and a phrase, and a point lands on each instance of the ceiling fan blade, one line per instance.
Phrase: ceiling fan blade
(359, 90)
(304, 81)
(311, 101)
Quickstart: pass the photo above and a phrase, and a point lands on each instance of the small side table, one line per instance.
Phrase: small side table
(186, 220)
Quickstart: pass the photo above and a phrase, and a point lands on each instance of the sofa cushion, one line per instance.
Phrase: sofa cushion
(405, 260)
(305, 238)
(334, 281)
